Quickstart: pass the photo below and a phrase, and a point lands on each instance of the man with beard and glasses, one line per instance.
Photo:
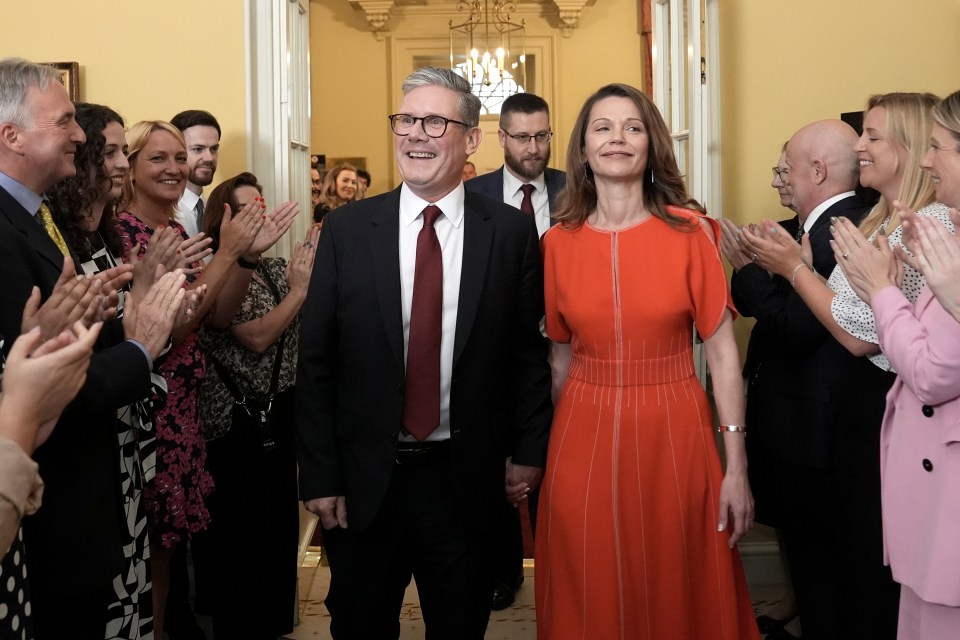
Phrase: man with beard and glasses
(525, 138)
(525, 182)
(202, 134)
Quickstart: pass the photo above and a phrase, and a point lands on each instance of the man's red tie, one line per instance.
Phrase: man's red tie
(421, 395)
(526, 205)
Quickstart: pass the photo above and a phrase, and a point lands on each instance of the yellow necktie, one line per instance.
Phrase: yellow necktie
(47, 219)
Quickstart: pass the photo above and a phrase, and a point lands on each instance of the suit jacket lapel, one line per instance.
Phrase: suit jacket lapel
(477, 241)
(385, 257)
(21, 220)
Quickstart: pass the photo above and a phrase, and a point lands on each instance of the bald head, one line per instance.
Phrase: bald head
(822, 163)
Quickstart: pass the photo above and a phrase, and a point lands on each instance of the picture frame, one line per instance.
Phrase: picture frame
(69, 73)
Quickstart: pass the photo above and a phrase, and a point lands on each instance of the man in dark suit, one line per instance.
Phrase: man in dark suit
(421, 369)
(525, 137)
(82, 503)
(524, 181)
(793, 364)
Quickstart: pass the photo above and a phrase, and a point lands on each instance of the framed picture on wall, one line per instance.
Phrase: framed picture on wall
(69, 73)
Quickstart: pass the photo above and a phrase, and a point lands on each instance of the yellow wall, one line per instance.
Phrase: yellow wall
(785, 63)
(351, 73)
(145, 60)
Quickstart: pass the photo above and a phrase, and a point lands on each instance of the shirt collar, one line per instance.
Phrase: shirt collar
(411, 205)
(22, 194)
(512, 184)
(188, 201)
(823, 206)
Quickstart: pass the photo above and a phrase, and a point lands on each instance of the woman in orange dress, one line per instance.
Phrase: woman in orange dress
(638, 520)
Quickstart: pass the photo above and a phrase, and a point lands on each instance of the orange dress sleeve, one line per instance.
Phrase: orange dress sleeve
(707, 278)
(556, 327)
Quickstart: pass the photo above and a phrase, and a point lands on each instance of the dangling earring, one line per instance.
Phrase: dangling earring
(653, 180)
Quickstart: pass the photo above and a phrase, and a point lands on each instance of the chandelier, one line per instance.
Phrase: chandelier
(489, 50)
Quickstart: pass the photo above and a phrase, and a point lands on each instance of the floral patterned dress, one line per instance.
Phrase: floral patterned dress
(176, 498)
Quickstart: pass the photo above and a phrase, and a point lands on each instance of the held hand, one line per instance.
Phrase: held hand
(274, 226)
(868, 268)
(736, 501)
(520, 481)
(771, 247)
(300, 267)
(150, 321)
(332, 511)
(73, 298)
(239, 230)
(730, 245)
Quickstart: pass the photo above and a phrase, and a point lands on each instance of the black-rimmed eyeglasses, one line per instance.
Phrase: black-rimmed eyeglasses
(780, 174)
(434, 126)
(524, 138)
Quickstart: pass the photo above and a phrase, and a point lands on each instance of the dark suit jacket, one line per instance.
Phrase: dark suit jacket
(79, 464)
(351, 368)
(792, 359)
(491, 185)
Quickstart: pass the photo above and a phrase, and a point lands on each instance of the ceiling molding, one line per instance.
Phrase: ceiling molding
(566, 13)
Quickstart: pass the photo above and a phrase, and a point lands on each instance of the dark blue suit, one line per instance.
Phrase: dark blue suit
(491, 185)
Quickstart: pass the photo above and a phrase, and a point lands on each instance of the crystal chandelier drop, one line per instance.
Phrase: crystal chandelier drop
(489, 50)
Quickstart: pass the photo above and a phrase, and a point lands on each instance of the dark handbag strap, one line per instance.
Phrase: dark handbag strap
(228, 382)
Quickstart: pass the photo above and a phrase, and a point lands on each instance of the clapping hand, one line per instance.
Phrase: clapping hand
(300, 267)
(239, 230)
(73, 298)
(40, 378)
(772, 247)
(936, 255)
(274, 226)
(868, 267)
(730, 245)
(150, 321)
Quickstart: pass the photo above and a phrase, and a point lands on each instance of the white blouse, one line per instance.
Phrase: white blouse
(854, 315)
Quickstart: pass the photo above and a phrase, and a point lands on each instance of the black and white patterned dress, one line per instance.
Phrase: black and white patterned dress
(130, 616)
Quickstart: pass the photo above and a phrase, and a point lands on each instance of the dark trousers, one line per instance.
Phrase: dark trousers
(420, 531)
(866, 584)
(80, 616)
(508, 538)
(806, 515)
(252, 539)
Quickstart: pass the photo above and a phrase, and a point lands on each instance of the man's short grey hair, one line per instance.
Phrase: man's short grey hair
(469, 104)
(16, 77)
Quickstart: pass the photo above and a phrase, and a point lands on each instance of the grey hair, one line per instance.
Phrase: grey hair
(469, 104)
(16, 77)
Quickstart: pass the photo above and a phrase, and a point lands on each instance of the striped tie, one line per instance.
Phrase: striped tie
(47, 219)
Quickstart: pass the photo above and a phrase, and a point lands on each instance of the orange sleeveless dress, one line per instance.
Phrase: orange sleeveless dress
(627, 541)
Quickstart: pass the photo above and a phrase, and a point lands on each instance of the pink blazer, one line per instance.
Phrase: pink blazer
(920, 445)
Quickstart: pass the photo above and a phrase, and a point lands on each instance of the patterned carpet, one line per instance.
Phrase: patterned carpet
(516, 623)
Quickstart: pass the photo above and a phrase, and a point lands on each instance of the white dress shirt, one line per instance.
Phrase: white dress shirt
(823, 206)
(513, 196)
(449, 228)
(187, 213)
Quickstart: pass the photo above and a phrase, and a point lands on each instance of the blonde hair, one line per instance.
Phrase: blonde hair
(909, 119)
(947, 115)
(137, 138)
(328, 191)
